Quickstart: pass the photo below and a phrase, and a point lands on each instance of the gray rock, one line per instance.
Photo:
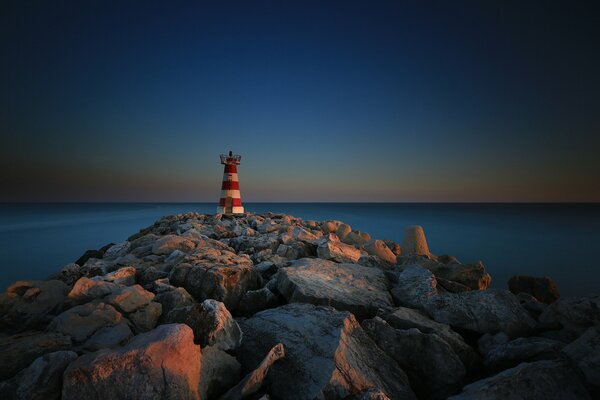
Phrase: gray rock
(109, 337)
(18, 351)
(349, 287)
(82, 321)
(171, 299)
(415, 286)
(169, 243)
(514, 352)
(211, 322)
(343, 230)
(257, 300)
(585, 353)
(163, 363)
(42, 380)
(145, 318)
(86, 289)
(542, 288)
(151, 274)
(472, 276)
(551, 380)
(575, 315)
(116, 251)
(337, 251)
(328, 355)
(219, 372)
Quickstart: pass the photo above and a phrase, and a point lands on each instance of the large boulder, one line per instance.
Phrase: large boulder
(42, 380)
(349, 287)
(573, 315)
(359, 239)
(88, 289)
(472, 276)
(163, 363)
(379, 248)
(257, 300)
(130, 298)
(220, 372)
(211, 322)
(332, 249)
(109, 337)
(414, 287)
(585, 353)
(514, 352)
(169, 243)
(145, 318)
(171, 299)
(83, 321)
(18, 351)
(542, 288)
(31, 304)
(550, 380)
(414, 241)
(328, 355)
(434, 370)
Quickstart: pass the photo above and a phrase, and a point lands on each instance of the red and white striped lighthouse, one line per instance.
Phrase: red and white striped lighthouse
(230, 202)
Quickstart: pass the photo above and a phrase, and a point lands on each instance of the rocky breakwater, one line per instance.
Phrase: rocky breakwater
(275, 307)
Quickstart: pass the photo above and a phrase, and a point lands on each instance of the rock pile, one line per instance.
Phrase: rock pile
(272, 306)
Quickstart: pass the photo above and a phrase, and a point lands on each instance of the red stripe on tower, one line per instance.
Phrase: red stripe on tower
(230, 202)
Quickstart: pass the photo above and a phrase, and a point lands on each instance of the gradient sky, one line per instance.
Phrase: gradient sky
(326, 101)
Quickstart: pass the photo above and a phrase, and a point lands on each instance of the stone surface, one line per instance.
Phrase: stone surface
(575, 315)
(472, 276)
(414, 287)
(349, 287)
(163, 363)
(414, 241)
(542, 288)
(219, 372)
(42, 380)
(585, 353)
(211, 323)
(146, 317)
(169, 243)
(82, 321)
(86, 289)
(18, 351)
(328, 355)
(123, 276)
(109, 337)
(257, 300)
(550, 380)
(379, 248)
(130, 298)
(358, 239)
(338, 251)
(433, 369)
(171, 299)
(514, 352)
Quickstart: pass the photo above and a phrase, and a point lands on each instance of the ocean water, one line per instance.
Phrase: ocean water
(556, 240)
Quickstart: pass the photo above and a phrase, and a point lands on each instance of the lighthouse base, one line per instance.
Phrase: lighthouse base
(230, 211)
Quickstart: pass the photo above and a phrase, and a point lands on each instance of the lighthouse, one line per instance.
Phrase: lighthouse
(230, 202)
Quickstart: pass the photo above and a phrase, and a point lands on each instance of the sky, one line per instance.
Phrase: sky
(373, 101)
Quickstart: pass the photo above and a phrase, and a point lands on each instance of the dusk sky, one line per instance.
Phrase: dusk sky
(325, 101)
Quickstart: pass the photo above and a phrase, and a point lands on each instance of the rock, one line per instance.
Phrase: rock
(31, 304)
(330, 226)
(543, 289)
(130, 298)
(451, 286)
(172, 299)
(254, 380)
(328, 355)
(146, 318)
(414, 287)
(163, 363)
(359, 239)
(219, 372)
(379, 248)
(299, 233)
(151, 274)
(343, 230)
(575, 315)
(116, 251)
(123, 276)
(514, 352)
(585, 353)
(394, 247)
(86, 289)
(257, 300)
(18, 351)
(338, 251)
(488, 342)
(407, 318)
(414, 241)
(434, 370)
(296, 250)
(69, 273)
(472, 276)
(488, 311)
(109, 337)
(371, 394)
(42, 380)
(169, 243)
(87, 255)
(82, 321)
(550, 380)
(211, 322)
(531, 304)
(349, 287)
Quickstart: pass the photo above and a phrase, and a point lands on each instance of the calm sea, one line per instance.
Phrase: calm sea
(556, 240)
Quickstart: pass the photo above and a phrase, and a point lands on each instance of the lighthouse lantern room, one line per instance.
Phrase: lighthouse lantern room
(230, 202)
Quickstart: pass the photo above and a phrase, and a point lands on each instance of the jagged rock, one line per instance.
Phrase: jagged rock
(109, 337)
(575, 315)
(330, 226)
(296, 250)
(169, 243)
(434, 370)
(171, 299)
(414, 287)
(514, 352)
(257, 300)
(585, 353)
(31, 304)
(331, 249)
(18, 351)
(211, 322)
(82, 321)
(543, 289)
(151, 274)
(70, 273)
(350, 287)
(129, 298)
(116, 251)
(549, 380)
(163, 363)
(343, 230)
(146, 317)
(299, 233)
(414, 241)
(407, 318)
(359, 239)
(394, 247)
(472, 276)
(123, 276)
(254, 380)
(219, 372)
(328, 355)
(379, 248)
(42, 380)
(86, 289)
(531, 304)
(451, 286)
(254, 244)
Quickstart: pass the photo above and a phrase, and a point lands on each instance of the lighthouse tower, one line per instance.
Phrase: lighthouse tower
(230, 202)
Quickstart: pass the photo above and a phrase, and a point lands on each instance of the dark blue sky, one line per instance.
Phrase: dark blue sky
(326, 101)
